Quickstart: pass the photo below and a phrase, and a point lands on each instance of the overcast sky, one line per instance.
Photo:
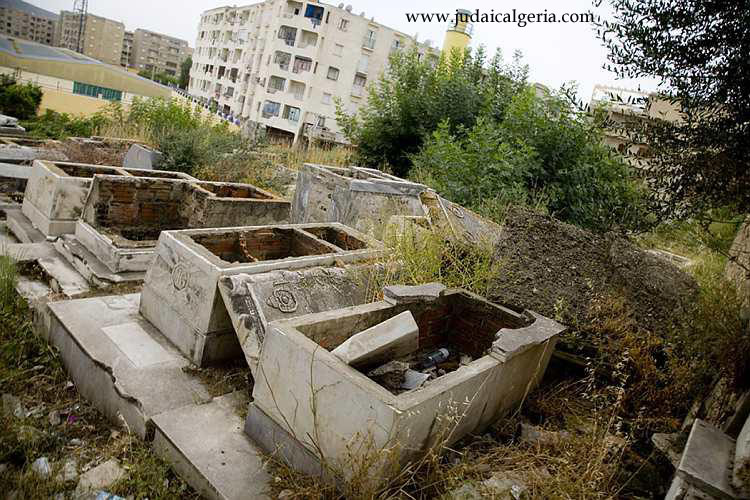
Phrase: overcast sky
(556, 53)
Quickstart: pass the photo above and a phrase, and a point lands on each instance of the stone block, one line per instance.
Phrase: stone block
(741, 469)
(706, 462)
(124, 215)
(142, 157)
(180, 293)
(331, 408)
(371, 201)
(253, 301)
(395, 337)
(56, 192)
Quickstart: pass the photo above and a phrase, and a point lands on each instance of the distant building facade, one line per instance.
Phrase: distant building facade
(22, 20)
(157, 53)
(127, 49)
(281, 64)
(102, 37)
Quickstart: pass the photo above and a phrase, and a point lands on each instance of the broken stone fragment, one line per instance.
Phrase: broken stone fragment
(42, 467)
(414, 379)
(391, 375)
(506, 485)
(12, 406)
(741, 471)
(403, 294)
(670, 444)
(536, 436)
(100, 477)
(393, 338)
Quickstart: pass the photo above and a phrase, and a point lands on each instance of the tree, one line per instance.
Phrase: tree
(21, 101)
(185, 73)
(699, 50)
(415, 95)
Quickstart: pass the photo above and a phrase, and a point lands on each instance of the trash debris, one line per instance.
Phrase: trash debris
(435, 358)
(391, 375)
(12, 406)
(42, 467)
(414, 379)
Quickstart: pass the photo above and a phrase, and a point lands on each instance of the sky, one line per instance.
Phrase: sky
(556, 53)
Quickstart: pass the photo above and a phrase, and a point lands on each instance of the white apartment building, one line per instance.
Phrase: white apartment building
(280, 64)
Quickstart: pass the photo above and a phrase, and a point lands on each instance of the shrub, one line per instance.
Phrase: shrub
(539, 153)
(54, 125)
(19, 100)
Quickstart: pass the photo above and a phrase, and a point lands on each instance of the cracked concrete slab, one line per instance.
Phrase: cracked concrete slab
(129, 376)
(206, 445)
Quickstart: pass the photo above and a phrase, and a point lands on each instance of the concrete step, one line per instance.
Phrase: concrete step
(206, 445)
(120, 362)
(90, 267)
(21, 227)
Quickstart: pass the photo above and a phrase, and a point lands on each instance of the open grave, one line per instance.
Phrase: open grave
(423, 365)
(56, 192)
(180, 294)
(124, 215)
(372, 201)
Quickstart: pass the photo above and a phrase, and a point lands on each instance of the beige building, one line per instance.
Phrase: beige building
(127, 49)
(156, 52)
(23, 20)
(102, 37)
(281, 64)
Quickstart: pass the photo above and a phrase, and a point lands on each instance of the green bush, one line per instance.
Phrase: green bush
(54, 125)
(540, 152)
(19, 100)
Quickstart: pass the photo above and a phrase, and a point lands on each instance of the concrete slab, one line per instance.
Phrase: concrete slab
(90, 267)
(21, 227)
(63, 278)
(29, 252)
(706, 462)
(6, 235)
(121, 363)
(206, 445)
(393, 338)
(143, 157)
(741, 470)
(253, 301)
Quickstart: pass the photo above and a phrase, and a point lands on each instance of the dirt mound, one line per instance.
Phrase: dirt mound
(94, 154)
(556, 268)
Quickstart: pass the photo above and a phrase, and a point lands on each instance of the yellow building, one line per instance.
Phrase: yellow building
(459, 34)
(72, 82)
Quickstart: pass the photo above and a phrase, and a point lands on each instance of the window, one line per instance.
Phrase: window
(360, 81)
(327, 98)
(364, 62)
(276, 83)
(369, 40)
(270, 109)
(321, 122)
(301, 64)
(291, 113)
(338, 49)
(95, 91)
(344, 24)
(333, 73)
(288, 34)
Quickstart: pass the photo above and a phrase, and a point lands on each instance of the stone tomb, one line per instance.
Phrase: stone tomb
(370, 200)
(124, 215)
(306, 401)
(253, 301)
(180, 294)
(56, 192)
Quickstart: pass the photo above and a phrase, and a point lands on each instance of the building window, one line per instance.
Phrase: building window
(344, 24)
(95, 91)
(288, 34)
(338, 49)
(291, 113)
(270, 109)
(333, 73)
(360, 81)
(276, 83)
(301, 64)
(369, 40)
(327, 98)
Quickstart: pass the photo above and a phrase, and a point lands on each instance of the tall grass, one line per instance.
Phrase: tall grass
(8, 282)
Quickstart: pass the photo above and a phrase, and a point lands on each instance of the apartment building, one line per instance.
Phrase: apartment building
(281, 64)
(127, 49)
(157, 53)
(102, 37)
(23, 20)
